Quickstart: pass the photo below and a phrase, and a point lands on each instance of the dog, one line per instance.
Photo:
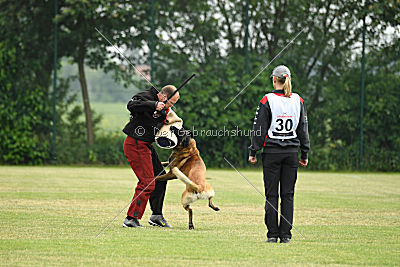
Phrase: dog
(187, 165)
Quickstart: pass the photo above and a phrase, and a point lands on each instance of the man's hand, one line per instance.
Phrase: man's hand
(253, 160)
(160, 106)
(303, 162)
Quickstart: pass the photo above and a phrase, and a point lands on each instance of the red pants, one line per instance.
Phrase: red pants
(139, 157)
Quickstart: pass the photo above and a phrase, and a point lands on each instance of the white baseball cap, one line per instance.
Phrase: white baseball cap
(281, 71)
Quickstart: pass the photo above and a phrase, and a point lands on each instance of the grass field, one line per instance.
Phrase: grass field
(51, 215)
(115, 115)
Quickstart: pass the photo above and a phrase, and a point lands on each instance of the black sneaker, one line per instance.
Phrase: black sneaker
(158, 220)
(272, 240)
(131, 223)
(285, 240)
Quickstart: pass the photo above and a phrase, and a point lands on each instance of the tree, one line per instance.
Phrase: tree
(193, 33)
(123, 23)
(26, 63)
(382, 98)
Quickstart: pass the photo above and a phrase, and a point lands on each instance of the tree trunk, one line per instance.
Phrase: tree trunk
(86, 104)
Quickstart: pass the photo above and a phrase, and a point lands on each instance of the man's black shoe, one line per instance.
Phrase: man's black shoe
(133, 222)
(272, 240)
(158, 220)
(285, 240)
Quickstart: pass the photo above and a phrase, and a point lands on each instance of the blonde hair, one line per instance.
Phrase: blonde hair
(287, 85)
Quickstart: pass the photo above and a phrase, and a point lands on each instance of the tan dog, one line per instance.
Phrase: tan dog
(187, 165)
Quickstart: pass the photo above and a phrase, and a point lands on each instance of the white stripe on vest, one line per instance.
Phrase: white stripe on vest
(285, 116)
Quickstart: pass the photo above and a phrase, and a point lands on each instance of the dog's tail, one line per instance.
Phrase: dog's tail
(181, 176)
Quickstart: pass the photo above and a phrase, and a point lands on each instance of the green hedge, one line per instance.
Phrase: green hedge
(107, 150)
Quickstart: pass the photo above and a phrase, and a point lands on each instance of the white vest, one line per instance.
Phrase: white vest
(285, 116)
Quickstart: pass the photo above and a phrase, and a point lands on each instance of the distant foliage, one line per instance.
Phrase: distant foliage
(24, 111)
(325, 70)
(72, 148)
(102, 87)
(339, 146)
(206, 38)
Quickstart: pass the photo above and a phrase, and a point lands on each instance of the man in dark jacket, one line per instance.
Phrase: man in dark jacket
(148, 114)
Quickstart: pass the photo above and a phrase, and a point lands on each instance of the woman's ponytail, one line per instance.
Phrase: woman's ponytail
(287, 86)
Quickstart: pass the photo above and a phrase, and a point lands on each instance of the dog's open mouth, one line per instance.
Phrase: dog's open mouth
(165, 142)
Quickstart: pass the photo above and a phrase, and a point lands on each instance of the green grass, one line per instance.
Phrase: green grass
(115, 115)
(51, 215)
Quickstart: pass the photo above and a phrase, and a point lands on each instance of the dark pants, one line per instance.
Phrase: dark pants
(279, 168)
(145, 163)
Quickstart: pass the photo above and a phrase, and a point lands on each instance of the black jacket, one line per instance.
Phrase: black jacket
(143, 125)
(262, 122)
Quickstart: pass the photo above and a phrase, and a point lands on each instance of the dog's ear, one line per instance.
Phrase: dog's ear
(174, 130)
(180, 133)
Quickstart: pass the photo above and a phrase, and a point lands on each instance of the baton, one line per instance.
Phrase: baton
(180, 86)
(158, 113)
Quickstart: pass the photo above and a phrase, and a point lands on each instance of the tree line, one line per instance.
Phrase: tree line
(207, 38)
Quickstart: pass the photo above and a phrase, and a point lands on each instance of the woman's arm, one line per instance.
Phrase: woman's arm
(302, 132)
(260, 127)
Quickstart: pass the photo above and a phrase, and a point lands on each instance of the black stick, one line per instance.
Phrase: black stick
(180, 86)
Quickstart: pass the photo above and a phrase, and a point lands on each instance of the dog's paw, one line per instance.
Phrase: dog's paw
(213, 207)
(191, 227)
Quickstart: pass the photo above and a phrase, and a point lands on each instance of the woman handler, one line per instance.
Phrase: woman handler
(281, 116)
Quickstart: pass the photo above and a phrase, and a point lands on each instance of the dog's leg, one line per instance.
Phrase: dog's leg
(181, 176)
(191, 227)
(166, 177)
(181, 163)
(211, 205)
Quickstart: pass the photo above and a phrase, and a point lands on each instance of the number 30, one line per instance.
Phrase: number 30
(288, 125)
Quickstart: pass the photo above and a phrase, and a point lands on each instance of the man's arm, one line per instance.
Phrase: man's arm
(138, 104)
(260, 127)
(302, 132)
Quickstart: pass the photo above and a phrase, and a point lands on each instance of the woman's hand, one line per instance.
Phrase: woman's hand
(253, 160)
(303, 162)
